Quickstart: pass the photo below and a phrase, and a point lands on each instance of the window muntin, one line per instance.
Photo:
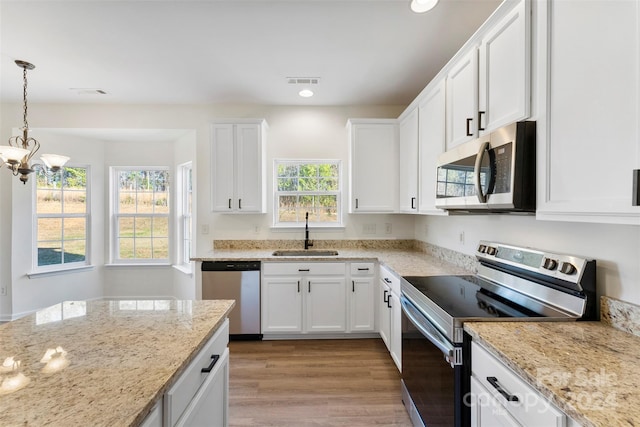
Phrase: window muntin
(141, 215)
(62, 218)
(311, 186)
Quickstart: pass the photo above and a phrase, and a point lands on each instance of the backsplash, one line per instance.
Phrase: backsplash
(621, 315)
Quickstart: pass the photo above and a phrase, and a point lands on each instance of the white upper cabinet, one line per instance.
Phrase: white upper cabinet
(488, 84)
(590, 145)
(504, 78)
(431, 130)
(238, 166)
(462, 99)
(373, 165)
(408, 129)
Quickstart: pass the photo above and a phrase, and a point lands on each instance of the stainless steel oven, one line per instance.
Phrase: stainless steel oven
(512, 283)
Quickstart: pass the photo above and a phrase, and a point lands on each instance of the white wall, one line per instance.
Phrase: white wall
(615, 247)
(28, 294)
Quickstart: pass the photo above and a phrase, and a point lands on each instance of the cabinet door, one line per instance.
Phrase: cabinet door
(374, 168)
(592, 144)
(504, 77)
(396, 329)
(462, 99)
(250, 168)
(361, 304)
(281, 304)
(408, 136)
(385, 314)
(431, 145)
(326, 304)
(210, 406)
(487, 411)
(223, 168)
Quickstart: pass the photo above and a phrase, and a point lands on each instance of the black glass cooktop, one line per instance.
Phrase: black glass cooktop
(464, 297)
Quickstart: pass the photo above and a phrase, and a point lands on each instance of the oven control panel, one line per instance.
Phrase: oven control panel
(565, 267)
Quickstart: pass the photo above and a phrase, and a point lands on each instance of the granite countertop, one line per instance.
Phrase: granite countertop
(589, 370)
(404, 262)
(99, 363)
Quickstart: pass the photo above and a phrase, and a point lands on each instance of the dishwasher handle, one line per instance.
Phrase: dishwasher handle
(231, 266)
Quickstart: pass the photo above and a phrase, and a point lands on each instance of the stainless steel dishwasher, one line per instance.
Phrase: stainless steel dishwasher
(240, 281)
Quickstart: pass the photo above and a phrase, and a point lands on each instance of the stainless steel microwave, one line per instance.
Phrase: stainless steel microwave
(494, 173)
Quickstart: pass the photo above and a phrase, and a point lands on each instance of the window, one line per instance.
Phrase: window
(185, 187)
(311, 186)
(62, 218)
(141, 215)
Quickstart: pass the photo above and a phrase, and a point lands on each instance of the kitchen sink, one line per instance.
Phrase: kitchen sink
(305, 252)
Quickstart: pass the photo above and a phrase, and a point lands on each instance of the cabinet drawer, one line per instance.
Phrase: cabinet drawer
(531, 408)
(181, 393)
(389, 277)
(303, 268)
(362, 268)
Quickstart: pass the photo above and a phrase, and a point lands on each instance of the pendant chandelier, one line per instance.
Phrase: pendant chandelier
(17, 155)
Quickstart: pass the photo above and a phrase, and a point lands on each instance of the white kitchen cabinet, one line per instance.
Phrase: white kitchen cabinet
(504, 63)
(391, 314)
(488, 84)
(408, 137)
(361, 295)
(200, 395)
(431, 130)
(499, 397)
(373, 165)
(462, 99)
(238, 166)
(301, 298)
(588, 133)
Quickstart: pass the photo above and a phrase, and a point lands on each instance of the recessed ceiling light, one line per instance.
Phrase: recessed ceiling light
(421, 6)
(306, 93)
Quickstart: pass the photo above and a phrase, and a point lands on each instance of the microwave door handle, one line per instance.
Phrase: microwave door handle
(484, 148)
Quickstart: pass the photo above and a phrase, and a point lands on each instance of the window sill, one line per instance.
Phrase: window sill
(138, 264)
(38, 274)
(314, 228)
(183, 269)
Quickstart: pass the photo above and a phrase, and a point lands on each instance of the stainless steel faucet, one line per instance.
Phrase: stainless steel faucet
(307, 242)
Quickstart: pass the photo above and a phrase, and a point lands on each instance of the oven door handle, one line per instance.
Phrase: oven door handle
(430, 332)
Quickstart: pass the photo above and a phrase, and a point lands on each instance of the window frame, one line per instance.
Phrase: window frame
(184, 216)
(301, 223)
(114, 191)
(63, 266)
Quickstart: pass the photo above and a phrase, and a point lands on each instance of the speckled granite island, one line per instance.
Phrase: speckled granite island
(589, 370)
(99, 363)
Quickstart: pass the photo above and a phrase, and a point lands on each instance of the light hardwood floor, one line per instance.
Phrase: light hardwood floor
(314, 383)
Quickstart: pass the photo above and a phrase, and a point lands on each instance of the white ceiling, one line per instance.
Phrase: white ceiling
(366, 52)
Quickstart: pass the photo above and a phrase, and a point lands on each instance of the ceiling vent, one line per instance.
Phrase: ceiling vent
(304, 81)
(88, 91)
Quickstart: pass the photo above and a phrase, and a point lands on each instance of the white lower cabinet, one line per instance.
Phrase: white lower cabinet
(361, 295)
(390, 314)
(200, 396)
(499, 397)
(300, 298)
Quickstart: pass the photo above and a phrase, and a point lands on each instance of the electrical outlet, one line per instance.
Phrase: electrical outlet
(461, 237)
(387, 228)
(205, 228)
(3, 291)
(369, 229)
(256, 229)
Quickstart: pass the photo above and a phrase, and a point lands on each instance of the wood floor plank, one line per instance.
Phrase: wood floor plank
(308, 383)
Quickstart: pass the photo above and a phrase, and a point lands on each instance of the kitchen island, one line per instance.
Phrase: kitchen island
(100, 363)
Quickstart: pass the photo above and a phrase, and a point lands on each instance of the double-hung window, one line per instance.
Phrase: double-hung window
(62, 219)
(184, 214)
(140, 208)
(307, 186)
